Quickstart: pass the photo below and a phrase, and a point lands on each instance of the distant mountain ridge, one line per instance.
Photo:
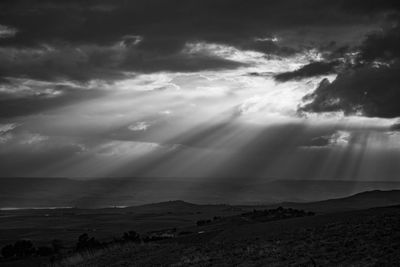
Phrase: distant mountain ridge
(96, 193)
(359, 201)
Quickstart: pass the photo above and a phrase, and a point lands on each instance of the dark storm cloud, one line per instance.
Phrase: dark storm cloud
(370, 6)
(85, 63)
(373, 91)
(52, 64)
(371, 86)
(165, 27)
(182, 20)
(81, 41)
(395, 127)
(383, 46)
(309, 70)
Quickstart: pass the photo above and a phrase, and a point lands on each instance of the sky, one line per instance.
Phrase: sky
(210, 89)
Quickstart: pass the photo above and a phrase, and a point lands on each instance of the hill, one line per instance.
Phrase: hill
(100, 193)
(364, 200)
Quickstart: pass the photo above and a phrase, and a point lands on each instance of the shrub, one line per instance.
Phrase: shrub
(86, 243)
(44, 251)
(8, 251)
(23, 248)
(57, 245)
(131, 236)
(203, 222)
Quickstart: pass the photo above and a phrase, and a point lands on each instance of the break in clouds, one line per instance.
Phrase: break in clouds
(274, 89)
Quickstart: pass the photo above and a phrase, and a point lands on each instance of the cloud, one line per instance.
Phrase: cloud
(337, 138)
(269, 46)
(97, 40)
(107, 70)
(5, 130)
(368, 91)
(340, 138)
(369, 85)
(7, 32)
(309, 70)
(85, 63)
(395, 127)
(139, 126)
(381, 45)
(24, 97)
(33, 139)
(167, 26)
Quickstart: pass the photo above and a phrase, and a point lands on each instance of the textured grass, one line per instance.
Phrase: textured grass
(367, 238)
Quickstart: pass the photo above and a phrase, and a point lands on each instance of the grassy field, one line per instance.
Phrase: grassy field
(42, 226)
(364, 238)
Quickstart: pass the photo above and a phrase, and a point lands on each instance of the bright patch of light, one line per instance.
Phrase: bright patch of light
(19, 87)
(33, 139)
(139, 126)
(340, 138)
(7, 127)
(119, 148)
(7, 32)
(130, 40)
(147, 82)
(267, 39)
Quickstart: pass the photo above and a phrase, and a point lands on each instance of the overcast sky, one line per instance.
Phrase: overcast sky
(205, 89)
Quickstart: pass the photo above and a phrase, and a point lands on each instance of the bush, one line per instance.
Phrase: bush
(86, 243)
(44, 251)
(57, 245)
(203, 222)
(23, 248)
(8, 251)
(131, 236)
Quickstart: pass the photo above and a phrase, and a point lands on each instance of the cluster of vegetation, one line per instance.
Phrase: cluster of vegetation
(276, 214)
(86, 243)
(205, 222)
(25, 248)
(279, 213)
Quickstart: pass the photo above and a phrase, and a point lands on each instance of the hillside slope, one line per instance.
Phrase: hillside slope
(362, 238)
(364, 200)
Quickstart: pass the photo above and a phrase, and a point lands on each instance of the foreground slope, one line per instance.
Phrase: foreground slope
(359, 238)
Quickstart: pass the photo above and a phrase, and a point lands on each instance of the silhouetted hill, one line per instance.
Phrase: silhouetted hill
(364, 200)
